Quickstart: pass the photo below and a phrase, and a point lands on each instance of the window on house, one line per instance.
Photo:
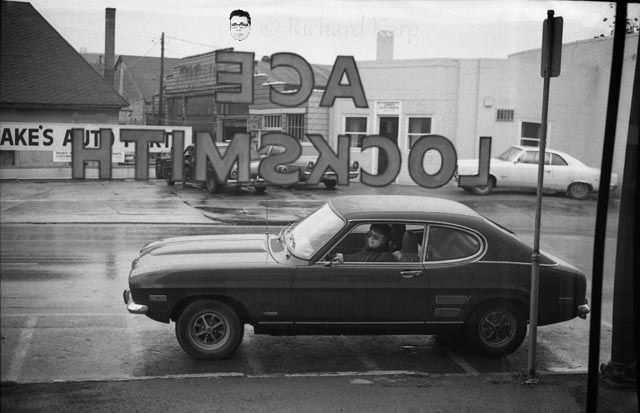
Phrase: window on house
(356, 129)
(272, 122)
(418, 127)
(295, 125)
(504, 115)
(7, 158)
(530, 134)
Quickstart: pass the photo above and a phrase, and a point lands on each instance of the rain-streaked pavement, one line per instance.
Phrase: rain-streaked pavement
(67, 247)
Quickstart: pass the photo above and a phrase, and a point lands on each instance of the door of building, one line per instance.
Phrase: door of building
(388, 129)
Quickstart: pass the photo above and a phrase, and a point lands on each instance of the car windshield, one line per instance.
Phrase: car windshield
(308, 236)
(274, 149)
(510, 154)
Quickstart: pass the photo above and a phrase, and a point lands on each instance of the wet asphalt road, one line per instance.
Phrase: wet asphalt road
(63, 317)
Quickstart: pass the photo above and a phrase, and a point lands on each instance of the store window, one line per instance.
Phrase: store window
(418, 127)
(272, 122)
(295, 125)
(356, 128)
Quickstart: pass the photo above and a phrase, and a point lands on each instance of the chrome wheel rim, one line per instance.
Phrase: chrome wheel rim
(579, 190)
(497, 328)
(208, 330)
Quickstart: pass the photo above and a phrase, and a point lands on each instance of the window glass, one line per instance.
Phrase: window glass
(311, 234)
(558, 160)
(403, 243)
(529, 157)
(356, 129)
(530, 135)
(445, 243)
(418, 127)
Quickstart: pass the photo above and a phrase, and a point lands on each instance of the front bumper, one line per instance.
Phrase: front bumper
(254, 182)
(132, 307)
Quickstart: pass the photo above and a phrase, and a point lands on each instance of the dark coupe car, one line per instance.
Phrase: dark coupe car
(454, 271)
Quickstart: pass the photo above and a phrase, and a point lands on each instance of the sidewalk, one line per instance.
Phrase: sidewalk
(95, 202)
(321, 393)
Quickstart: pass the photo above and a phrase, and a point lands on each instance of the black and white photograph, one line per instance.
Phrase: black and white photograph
(342, 206)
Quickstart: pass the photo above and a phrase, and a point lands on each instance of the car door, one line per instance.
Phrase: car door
(359, 293)
(451, 271)
(560, 173)
(525, 170)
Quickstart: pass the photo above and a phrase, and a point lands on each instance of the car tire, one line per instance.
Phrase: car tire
(496, 328)
(170, 182)
(578, 190)
(211, 185)
(483, 190)
(260, 190)
(209, 330)
(330, 184)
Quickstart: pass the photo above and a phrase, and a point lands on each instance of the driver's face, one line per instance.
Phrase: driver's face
(375, 239)
(240, 27)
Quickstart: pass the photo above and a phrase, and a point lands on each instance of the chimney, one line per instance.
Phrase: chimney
(384, 45)
(109, 44)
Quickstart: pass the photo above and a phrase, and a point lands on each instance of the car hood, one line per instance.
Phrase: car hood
(203, 252)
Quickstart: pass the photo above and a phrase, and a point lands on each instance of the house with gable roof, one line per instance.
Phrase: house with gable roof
(44, 79)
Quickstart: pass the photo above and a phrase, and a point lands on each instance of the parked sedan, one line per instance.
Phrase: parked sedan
(517, 167)
(164, 171)
(453, 271)
(306, 162)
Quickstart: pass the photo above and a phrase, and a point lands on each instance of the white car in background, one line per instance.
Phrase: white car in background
(517, 167)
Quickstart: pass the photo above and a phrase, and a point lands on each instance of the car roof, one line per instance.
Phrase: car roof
(397, 207)
(536, 149)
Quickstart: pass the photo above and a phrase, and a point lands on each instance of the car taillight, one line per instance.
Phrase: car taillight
(234, 174)
(355, 166)
(310, 166)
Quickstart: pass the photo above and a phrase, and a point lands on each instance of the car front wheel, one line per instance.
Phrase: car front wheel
(483, 190)
(578, 190)
(209, 330)
(497, 328)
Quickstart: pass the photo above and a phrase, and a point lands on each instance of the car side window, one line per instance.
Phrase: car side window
(447, 243)
(529, 157)
(558, 160)
(404, 243)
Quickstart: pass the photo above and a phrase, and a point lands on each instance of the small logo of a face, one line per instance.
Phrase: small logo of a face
(240, 27)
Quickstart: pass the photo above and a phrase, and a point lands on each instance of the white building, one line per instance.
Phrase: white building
(464, 99)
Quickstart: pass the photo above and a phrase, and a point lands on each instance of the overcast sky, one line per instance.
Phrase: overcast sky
(422, 29)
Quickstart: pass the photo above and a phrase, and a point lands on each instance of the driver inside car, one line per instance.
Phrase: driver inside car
(376, 248)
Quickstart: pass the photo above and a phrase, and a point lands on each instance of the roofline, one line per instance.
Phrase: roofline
(53, 106)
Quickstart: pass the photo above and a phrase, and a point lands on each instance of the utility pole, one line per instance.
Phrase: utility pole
(161, 98)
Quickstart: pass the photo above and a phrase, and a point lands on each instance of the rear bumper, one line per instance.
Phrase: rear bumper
(132, 307)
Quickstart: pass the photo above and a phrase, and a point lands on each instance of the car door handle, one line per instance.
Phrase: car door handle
(410, 274)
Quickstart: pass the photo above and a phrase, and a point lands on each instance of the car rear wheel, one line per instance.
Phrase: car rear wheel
(211, 185)
(260, 190)
(483, 190)
(578, 190)
(497, 328)
(209, 330)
